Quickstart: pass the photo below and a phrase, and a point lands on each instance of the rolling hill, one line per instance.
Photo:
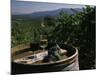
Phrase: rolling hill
(53, 13)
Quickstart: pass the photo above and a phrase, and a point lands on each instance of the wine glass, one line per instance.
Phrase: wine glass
(43, 41)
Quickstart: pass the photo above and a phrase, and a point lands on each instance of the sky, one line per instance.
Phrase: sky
(25, 7)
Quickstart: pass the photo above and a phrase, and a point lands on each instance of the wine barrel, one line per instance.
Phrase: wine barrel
(68, 64)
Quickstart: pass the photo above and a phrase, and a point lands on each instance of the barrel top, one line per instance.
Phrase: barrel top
(54, 62)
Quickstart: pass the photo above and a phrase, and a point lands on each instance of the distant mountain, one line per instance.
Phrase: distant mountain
(50, 13)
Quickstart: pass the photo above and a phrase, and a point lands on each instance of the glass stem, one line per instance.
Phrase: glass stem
(43, 49)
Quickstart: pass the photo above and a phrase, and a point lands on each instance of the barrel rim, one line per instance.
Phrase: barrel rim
(56, 62)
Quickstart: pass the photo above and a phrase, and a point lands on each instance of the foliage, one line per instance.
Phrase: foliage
(24, 32)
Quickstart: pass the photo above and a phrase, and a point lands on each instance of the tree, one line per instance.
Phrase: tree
(63, 29)
(86, 37)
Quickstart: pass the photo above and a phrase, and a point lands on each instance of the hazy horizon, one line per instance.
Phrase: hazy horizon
(23, 7)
